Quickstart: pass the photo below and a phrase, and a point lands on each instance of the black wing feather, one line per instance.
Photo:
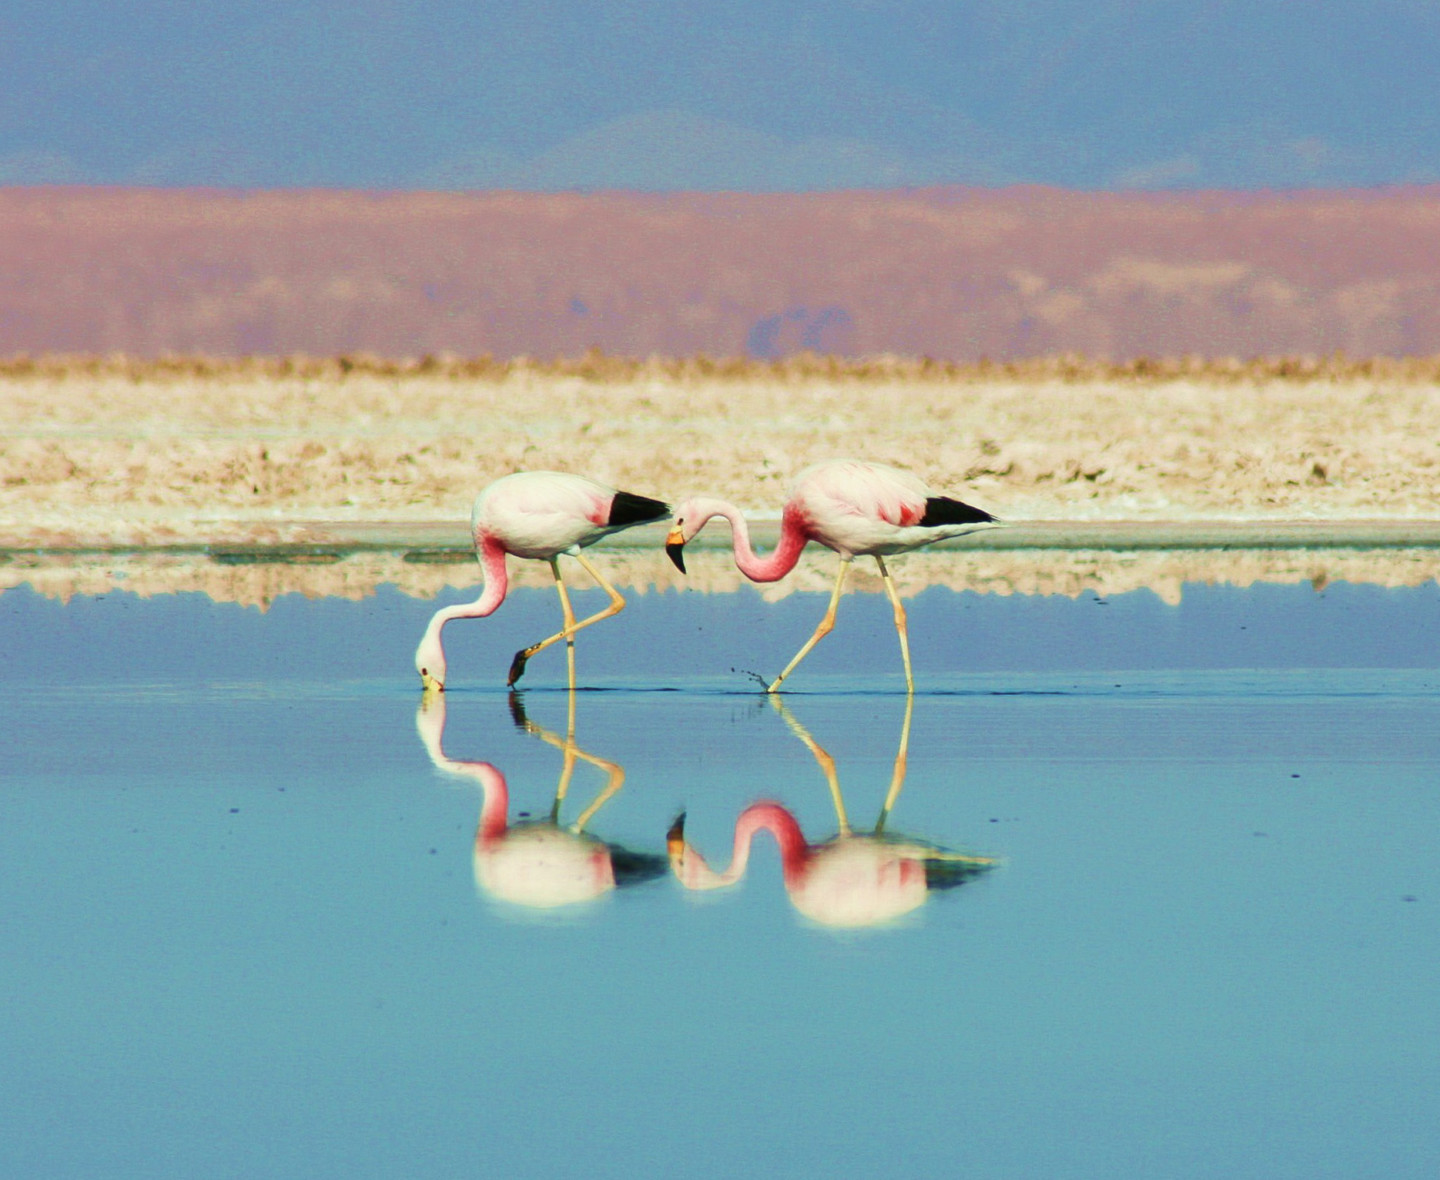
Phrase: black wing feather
(635, 868)
(943, 510)
(628, 508)
(950, 874)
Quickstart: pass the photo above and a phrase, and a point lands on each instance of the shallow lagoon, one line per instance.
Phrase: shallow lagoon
(243, 932)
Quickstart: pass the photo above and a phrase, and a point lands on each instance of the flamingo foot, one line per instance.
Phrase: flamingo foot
(517, 667)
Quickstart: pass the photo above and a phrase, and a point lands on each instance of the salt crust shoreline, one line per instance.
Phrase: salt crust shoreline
(105, 459)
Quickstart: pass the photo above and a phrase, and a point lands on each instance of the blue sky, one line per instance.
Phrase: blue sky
(661, 94)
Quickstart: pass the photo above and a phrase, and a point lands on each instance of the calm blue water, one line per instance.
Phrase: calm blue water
(241, 932)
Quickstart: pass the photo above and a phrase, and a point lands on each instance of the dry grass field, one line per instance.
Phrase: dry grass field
(115, 452)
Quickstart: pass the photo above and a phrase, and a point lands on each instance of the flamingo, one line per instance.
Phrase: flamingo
(540, 515)
(852, 879)
(538, 863)
(853, 507)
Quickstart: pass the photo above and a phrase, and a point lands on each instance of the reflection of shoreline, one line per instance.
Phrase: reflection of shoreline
(1070, 573)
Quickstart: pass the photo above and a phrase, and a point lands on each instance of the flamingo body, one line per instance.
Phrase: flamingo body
(541, 514)
(537, 515)
(538, 864)
(541, 866)
(853, 507)
(869, 509)
(850, 880)
(860, 881)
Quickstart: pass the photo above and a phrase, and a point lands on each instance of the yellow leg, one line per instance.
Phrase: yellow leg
(902, 755)
(615, 780)
(900, 628)
(822, 756)
(567, 633)
(824, 629)
(615, 774)
(568, 614)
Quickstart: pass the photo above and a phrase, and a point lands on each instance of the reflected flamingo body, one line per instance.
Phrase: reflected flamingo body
(537, 515)
(850, 880)
(854, 878)
(853, 507)
(535, 863)
(538, 864)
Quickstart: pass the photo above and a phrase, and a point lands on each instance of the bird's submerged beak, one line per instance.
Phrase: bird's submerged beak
(430, 684)
(675, 548)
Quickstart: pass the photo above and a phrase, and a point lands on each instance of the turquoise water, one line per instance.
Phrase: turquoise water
(252, 924)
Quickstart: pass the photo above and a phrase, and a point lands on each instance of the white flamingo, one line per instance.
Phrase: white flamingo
(853, 878)
(538, 863)
(540, 515)
(852, 507)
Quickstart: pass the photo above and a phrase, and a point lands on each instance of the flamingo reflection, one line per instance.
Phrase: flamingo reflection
(852, 879)
(538, 863)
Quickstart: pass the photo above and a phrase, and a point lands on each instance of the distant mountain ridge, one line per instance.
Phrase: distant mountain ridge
(952, 273)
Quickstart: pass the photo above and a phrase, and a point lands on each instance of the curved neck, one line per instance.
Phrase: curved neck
(770, 568)
(492, 562)
(495, 810)
(772, 818)
(497, 579)
(494, 790)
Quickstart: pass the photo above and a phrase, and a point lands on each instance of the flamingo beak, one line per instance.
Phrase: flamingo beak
(675, 839)
(430, 684)
(675, 548)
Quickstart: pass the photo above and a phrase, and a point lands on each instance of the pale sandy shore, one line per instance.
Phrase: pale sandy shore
(103, 460)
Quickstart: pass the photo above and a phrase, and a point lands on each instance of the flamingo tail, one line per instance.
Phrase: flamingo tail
(627, 509)
(945, 510)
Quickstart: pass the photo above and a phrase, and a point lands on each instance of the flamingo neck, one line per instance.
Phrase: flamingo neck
(492, 562)
(775, 819)
(780, 561)
(497, 579)
(495, 810)
(494, 791)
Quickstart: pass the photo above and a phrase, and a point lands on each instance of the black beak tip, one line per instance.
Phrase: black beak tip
(676, 553)
(677, 829)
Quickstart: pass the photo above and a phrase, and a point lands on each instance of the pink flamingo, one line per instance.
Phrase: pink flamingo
(540, 515)
(540, 864)
(852, 879)
(852, 507)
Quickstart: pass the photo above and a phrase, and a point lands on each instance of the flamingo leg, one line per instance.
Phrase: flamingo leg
(571, 750)
(897, 779)
(617, 604)
(900, 628)
(615, 781)
(824, 629)
(822, 756)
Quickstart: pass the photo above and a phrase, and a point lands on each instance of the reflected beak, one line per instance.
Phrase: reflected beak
(675, 839)
(675, 548)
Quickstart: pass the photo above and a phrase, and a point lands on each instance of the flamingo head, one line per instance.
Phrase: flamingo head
(430, 661)
(688, 521)
(675, 841)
